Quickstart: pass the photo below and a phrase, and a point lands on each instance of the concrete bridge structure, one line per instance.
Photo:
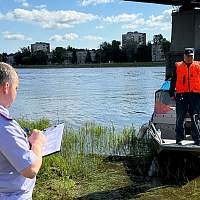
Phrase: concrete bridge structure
(185, 29)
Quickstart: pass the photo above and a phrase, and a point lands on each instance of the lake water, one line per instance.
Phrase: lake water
(118, 96)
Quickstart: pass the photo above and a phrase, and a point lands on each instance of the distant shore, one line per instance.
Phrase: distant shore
(103, 65)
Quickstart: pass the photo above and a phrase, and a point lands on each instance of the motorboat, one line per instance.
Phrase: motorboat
(161, 126)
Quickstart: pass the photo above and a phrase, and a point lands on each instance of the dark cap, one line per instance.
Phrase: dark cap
(189, 51)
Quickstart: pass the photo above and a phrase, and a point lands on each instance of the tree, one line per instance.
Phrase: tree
(39, 58)
(74, 57)
(149, 52)
(18, 58)
(26, 52)
(144, 53)
(110, 52)
(157, 39)
(23, 56)
(3, 57)
(69, 48)
(106, 52)
(26, 56)
(88, 58)
(98, 56)
(116, 51)
(131, 50)
(27, 61)
(166, 46)
(58, 55)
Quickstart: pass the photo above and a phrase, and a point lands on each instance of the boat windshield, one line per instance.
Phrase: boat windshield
(163, 102)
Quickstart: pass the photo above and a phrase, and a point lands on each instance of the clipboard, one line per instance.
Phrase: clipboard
(54, 138)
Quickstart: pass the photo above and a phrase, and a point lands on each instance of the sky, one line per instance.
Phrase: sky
(78, 23)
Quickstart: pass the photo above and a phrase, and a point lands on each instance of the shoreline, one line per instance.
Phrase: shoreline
(102, 65)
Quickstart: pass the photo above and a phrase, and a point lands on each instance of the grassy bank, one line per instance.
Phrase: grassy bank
(82, 166)
(85, 169)
(189, 191)
(134, 64)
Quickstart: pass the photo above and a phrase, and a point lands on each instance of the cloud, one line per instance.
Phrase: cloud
(137, 23)
(23, 2)
(49, 19)
(99, 27)
(15, 36)
(122, 18)
(62, 38)
(168, 12)
(41, 6)
(74, 36)
(94, 2)
(92, 38)
(162, 22)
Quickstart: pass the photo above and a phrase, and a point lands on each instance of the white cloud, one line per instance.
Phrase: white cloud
(15, 36)
(94, 2)
(23, 2)
(62, 38)
(133, 21)
(49, 19)
(122, 18)
(155, 21)
(41, 6)
(162, 22)
(99, 27)
(168, 12)
(74, 36)
(136, 24)
(92, 38)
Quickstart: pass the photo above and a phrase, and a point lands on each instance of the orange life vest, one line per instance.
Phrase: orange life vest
(188, 78)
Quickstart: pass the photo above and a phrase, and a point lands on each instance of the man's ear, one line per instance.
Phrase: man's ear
(5, 87)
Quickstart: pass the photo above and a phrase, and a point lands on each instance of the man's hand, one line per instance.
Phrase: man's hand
(37, 138)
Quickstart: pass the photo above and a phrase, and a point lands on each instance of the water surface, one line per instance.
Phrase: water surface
(119, 96)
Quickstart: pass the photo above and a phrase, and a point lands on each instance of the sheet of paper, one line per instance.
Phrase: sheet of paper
(54, 138)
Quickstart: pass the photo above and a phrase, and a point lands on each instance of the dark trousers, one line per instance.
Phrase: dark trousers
(187, 102)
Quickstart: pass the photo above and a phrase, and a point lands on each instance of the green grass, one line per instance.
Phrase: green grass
(81, 167)
(40, 124)
(106, 179)
(189, 191)
(82, 171)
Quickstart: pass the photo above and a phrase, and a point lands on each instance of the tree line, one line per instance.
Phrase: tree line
(108, 52)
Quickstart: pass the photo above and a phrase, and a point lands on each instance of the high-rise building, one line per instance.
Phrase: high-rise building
(40, 46)
(133, 38)
(157, 50)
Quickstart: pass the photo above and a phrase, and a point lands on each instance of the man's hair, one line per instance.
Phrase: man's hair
(7, 73)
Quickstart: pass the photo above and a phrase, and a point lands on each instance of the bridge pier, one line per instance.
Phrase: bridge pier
(185, 33)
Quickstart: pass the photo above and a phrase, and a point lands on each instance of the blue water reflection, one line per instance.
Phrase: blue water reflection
(122, 96)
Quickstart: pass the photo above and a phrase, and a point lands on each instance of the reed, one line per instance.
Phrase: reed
(83, 152)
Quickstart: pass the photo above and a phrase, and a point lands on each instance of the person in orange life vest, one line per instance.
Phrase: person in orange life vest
(186, 80)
